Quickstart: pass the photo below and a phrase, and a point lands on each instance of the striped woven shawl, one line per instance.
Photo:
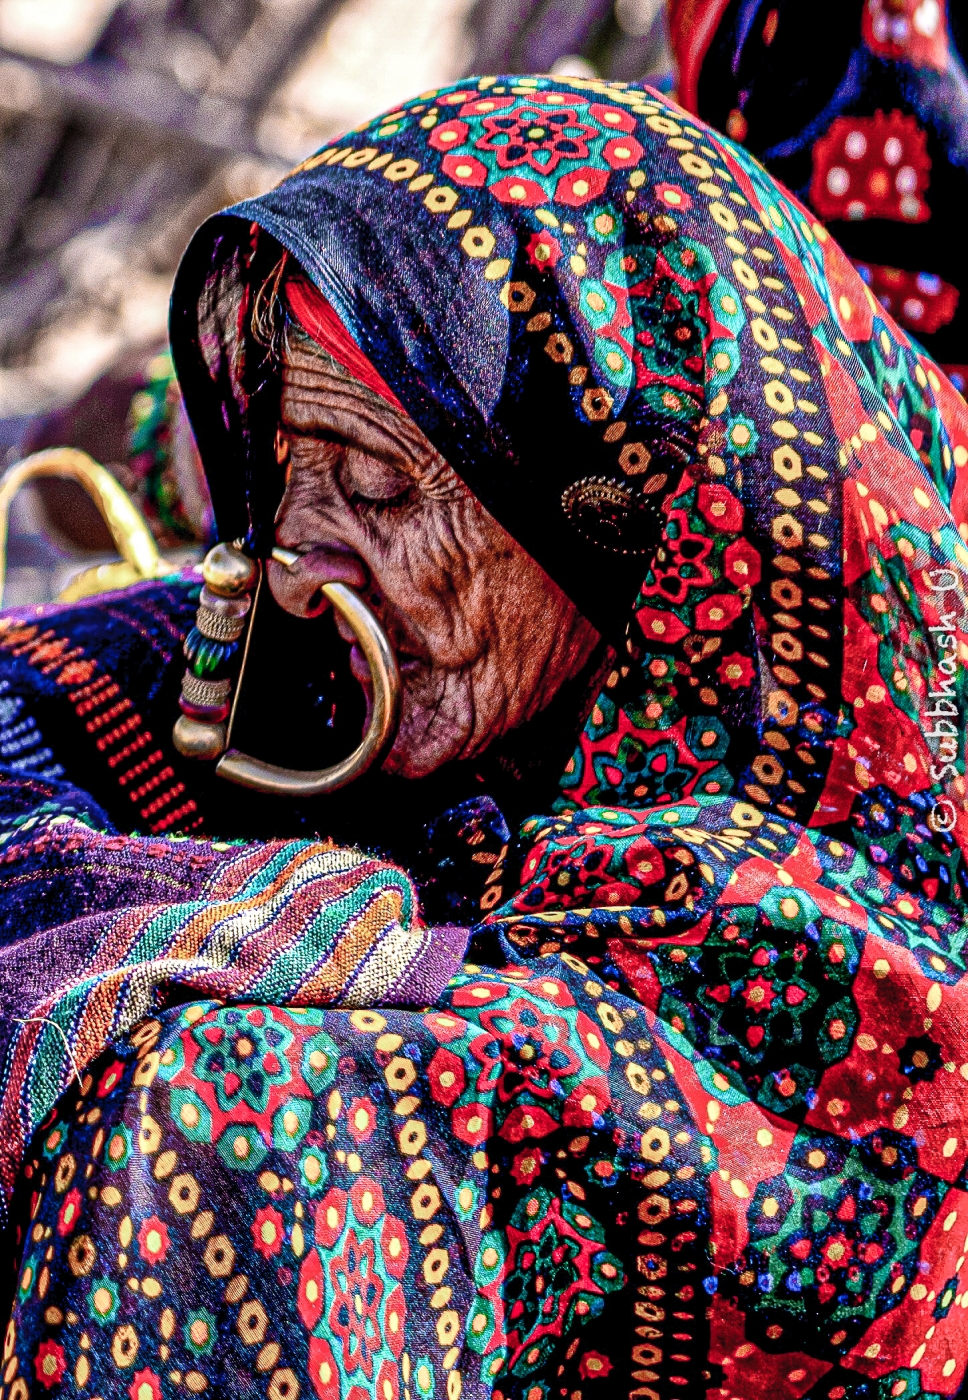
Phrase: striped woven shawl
(283, 922)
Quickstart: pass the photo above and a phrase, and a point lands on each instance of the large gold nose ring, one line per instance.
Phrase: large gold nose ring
(255, 773)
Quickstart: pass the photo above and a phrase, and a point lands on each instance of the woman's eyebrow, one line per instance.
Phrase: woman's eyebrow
(387, 449)
(320, 433)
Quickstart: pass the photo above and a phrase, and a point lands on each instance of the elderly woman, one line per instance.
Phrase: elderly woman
(643, 486)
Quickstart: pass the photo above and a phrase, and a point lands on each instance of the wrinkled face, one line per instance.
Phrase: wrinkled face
(483, 637)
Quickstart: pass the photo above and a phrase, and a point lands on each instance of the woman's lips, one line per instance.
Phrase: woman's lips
(361, 670)
(406, 660)
(359, 665)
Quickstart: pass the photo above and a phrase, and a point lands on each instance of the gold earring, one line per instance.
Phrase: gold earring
(210, 648)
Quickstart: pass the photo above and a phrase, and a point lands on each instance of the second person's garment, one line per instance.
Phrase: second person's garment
(861, 108)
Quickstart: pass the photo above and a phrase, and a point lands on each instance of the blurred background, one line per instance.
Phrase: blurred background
(124, 123)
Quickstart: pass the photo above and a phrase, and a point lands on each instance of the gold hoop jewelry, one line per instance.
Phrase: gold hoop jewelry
(133, 540)
(197, 736)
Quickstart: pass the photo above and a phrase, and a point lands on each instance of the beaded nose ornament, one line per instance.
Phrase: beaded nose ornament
(204, 728)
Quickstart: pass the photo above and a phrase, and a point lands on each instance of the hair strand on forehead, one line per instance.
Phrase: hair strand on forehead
(268, 310)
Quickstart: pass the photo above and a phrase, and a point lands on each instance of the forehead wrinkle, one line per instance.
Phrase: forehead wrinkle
(306, 364)
(339, 403)
(355, 430)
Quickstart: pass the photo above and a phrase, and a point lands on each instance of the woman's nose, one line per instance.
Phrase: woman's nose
(296, 577)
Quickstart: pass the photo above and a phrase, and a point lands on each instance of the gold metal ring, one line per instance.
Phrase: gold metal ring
(133, 540)
(375, 645)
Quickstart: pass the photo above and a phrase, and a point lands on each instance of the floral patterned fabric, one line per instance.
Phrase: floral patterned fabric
(694, 1117)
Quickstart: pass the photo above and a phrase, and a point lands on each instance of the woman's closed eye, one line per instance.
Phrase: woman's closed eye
(375, 487)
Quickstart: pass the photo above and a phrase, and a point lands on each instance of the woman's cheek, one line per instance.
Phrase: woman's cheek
(421, 579)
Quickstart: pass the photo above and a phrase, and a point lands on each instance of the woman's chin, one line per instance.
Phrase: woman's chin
(425, 741)
(418, 759)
